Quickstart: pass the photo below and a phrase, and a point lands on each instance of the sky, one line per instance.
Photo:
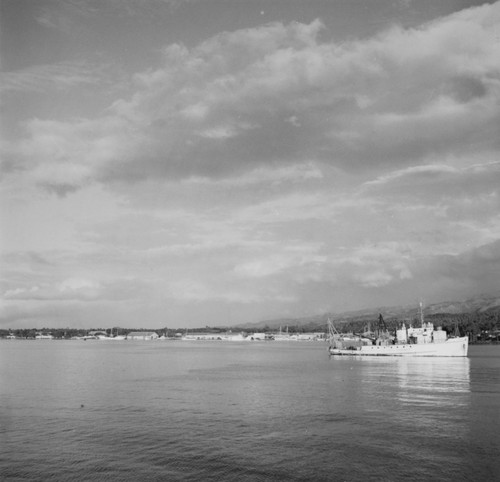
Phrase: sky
(184, 163)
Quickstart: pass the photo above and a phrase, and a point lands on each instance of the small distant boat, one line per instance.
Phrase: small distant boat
(421, 341)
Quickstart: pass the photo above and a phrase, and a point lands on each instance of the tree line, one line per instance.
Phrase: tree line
(478, 326)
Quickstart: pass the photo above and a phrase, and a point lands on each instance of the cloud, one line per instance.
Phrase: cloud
(54, 276)
(277, 94)
(277, 175)
(472, 271)
(287, 261)
(439, 180)
(64, 156)
(60, 76)
(77, 289)
(463, 198)
(190, 291)
(266, 169)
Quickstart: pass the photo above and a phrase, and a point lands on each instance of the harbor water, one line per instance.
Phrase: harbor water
(216, 410)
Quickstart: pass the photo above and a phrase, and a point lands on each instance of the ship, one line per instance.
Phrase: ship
(425, 341)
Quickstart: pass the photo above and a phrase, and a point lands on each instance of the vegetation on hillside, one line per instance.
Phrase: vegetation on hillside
(478, 318)
(479, 326)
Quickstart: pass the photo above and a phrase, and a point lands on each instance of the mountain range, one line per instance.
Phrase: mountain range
(478, 304)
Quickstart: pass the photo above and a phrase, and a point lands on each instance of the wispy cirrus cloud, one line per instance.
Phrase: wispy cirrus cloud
(60, 76)
(446, 178)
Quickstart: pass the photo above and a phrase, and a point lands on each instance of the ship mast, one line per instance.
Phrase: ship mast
(332, 331)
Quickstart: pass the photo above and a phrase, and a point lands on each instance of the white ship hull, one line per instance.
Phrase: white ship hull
(452, 347)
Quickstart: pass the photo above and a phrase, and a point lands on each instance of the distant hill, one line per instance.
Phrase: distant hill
(482, 304)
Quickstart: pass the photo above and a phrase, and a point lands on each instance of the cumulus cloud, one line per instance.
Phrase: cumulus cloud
(266, 167)
(277, 94)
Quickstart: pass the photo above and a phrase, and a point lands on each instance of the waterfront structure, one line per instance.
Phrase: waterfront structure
(142, 335)
(214, 336)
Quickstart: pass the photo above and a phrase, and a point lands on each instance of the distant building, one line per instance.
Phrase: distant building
(142, 335)
(97, 333)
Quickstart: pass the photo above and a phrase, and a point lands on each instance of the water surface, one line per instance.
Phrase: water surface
(165, 410)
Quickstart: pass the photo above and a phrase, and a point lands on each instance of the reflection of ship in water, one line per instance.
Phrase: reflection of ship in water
(432, 376)
(425, 387)
(422, 341)
(436, 393)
